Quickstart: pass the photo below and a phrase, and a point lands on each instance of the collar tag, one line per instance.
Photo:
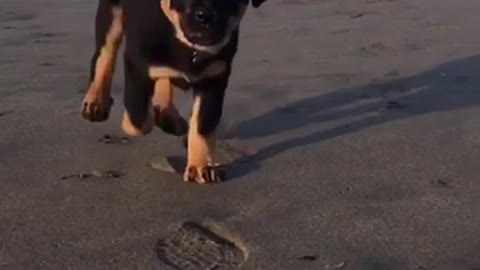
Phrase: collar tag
(195, 58)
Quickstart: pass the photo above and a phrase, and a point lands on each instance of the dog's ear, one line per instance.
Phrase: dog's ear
(257, 3)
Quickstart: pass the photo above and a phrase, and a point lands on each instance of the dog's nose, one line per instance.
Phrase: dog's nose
(203, 16)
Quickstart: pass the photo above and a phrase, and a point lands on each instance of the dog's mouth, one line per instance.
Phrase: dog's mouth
(203, 38)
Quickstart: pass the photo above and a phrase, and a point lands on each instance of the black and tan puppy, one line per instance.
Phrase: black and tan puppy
(189, 44)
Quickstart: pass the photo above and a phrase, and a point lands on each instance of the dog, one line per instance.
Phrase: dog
(187, 44)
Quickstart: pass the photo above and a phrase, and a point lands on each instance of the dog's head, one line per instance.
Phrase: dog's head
(206, 23)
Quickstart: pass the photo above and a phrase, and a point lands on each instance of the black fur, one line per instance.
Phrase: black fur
(257, 3)
(150, 40)
(212, 93)
(138, 92)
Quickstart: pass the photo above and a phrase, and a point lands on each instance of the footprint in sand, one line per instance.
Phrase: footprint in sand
(195, 247)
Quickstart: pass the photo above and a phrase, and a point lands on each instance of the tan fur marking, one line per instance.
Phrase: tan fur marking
(162, 72)
(106, 61)
(133, 131)
(163, 94)
(174, 18)
(97, 101)
(201, 166)
(201, 150)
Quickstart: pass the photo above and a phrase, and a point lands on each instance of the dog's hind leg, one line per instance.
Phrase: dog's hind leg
(166, 114)
(108, 36)
(138, 117)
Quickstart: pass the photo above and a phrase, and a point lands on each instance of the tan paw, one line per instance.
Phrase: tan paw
(95, 106)
(204, 174)
(131, 130)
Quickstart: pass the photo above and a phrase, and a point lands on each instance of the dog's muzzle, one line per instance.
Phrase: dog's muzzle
(204, 17)
(204, 27)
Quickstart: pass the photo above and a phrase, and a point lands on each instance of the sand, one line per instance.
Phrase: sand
(364, 115)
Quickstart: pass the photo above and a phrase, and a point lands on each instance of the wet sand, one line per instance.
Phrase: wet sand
(363, 114)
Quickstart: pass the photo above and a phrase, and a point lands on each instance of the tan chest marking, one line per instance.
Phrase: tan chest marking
(164, 72)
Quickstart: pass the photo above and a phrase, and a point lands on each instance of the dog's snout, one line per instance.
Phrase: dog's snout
(204, 16)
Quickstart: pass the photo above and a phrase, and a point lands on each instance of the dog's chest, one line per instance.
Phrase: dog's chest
(191, 61)
(196, 66)
(186, 66)
(169, 58)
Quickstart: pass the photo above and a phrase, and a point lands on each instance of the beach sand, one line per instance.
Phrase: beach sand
(364, 118)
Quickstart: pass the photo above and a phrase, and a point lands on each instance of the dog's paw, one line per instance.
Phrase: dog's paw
(96, 107)
(204, 174)
(170, 121)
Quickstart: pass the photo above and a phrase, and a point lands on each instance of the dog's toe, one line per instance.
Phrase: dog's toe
(202, 175)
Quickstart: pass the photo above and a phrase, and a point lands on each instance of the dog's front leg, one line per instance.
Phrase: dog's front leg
(108, 35)
(207, 109)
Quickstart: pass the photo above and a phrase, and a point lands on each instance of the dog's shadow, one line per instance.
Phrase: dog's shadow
(447, 87)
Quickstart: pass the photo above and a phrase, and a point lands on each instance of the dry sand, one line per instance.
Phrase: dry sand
(364, 114)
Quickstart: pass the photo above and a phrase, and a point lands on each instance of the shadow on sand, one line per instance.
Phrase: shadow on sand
(447, 87)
